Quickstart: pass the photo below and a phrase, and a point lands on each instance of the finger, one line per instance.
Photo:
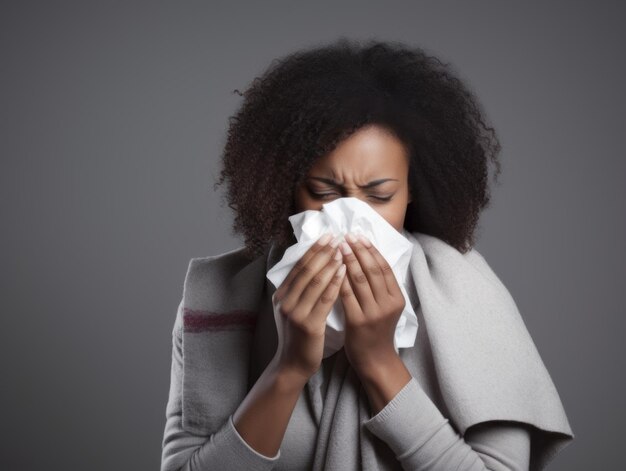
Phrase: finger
(358, 280)
(318, 284)
(351, 307)
(391, 282)
(325, 302)
(308, 274)
(371, 267)
(302, 263)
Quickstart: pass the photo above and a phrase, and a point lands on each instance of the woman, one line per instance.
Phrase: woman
(392, 126)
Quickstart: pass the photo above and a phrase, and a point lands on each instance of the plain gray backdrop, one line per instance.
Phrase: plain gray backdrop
(113, 117)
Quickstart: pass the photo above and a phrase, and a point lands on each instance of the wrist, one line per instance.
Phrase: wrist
(287, 378)
(373, 365)
(382, 380)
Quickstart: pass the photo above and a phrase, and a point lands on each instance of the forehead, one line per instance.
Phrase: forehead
(365, 153)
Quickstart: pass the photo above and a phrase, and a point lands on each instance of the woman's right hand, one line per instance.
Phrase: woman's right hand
(302, 303)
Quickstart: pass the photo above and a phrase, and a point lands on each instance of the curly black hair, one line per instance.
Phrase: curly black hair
(307, 102)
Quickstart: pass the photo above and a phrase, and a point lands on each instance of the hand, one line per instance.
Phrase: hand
(301, 305)
(373, 303)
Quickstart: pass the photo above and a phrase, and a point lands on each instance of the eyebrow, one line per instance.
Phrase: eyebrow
(371, 184)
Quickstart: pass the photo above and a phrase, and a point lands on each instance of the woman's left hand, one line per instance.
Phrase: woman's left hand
(372, 303)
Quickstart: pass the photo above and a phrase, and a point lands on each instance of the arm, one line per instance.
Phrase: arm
(422, 438)
(270, 398)
(406, 419)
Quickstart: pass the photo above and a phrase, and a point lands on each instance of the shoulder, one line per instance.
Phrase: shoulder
(434, 246)
(223, 280)
(448, 265)
(436, 249)
(222, 264)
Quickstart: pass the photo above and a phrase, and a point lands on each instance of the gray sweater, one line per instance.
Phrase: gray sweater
(412, 432)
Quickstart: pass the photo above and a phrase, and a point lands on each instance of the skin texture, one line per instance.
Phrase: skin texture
(368, 289)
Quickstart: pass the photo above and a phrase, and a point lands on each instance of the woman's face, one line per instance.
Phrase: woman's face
(371, 165)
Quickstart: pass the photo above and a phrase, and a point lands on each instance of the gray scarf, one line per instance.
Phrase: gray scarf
(470, 331)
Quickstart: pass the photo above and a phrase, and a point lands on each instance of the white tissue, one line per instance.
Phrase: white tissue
(339, 217)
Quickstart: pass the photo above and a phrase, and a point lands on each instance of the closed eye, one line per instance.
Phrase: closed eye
(324, 196)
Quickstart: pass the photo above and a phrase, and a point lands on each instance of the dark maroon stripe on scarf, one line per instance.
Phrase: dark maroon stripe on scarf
(206, 321)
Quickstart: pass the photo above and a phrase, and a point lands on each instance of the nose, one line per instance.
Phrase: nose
(365, 200)
(356, 195)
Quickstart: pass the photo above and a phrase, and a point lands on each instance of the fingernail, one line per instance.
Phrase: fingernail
(345, 248)
(341, 271)
(350, 237)
(338, 255)
(325, 239)
(365, 241)
(335, 241)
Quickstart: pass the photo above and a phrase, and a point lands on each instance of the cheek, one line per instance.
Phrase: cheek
(393, 214)
(302, 201)
(305, 203)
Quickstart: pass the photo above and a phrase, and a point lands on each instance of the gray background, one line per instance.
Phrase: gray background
(113, 116)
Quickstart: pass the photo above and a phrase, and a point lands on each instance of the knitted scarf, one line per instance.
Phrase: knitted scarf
(476, 336)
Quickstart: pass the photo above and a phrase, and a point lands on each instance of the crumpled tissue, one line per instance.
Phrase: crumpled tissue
(339, 217)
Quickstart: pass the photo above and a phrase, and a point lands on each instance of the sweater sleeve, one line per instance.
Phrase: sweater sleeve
(186, 451)
(422, 438)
